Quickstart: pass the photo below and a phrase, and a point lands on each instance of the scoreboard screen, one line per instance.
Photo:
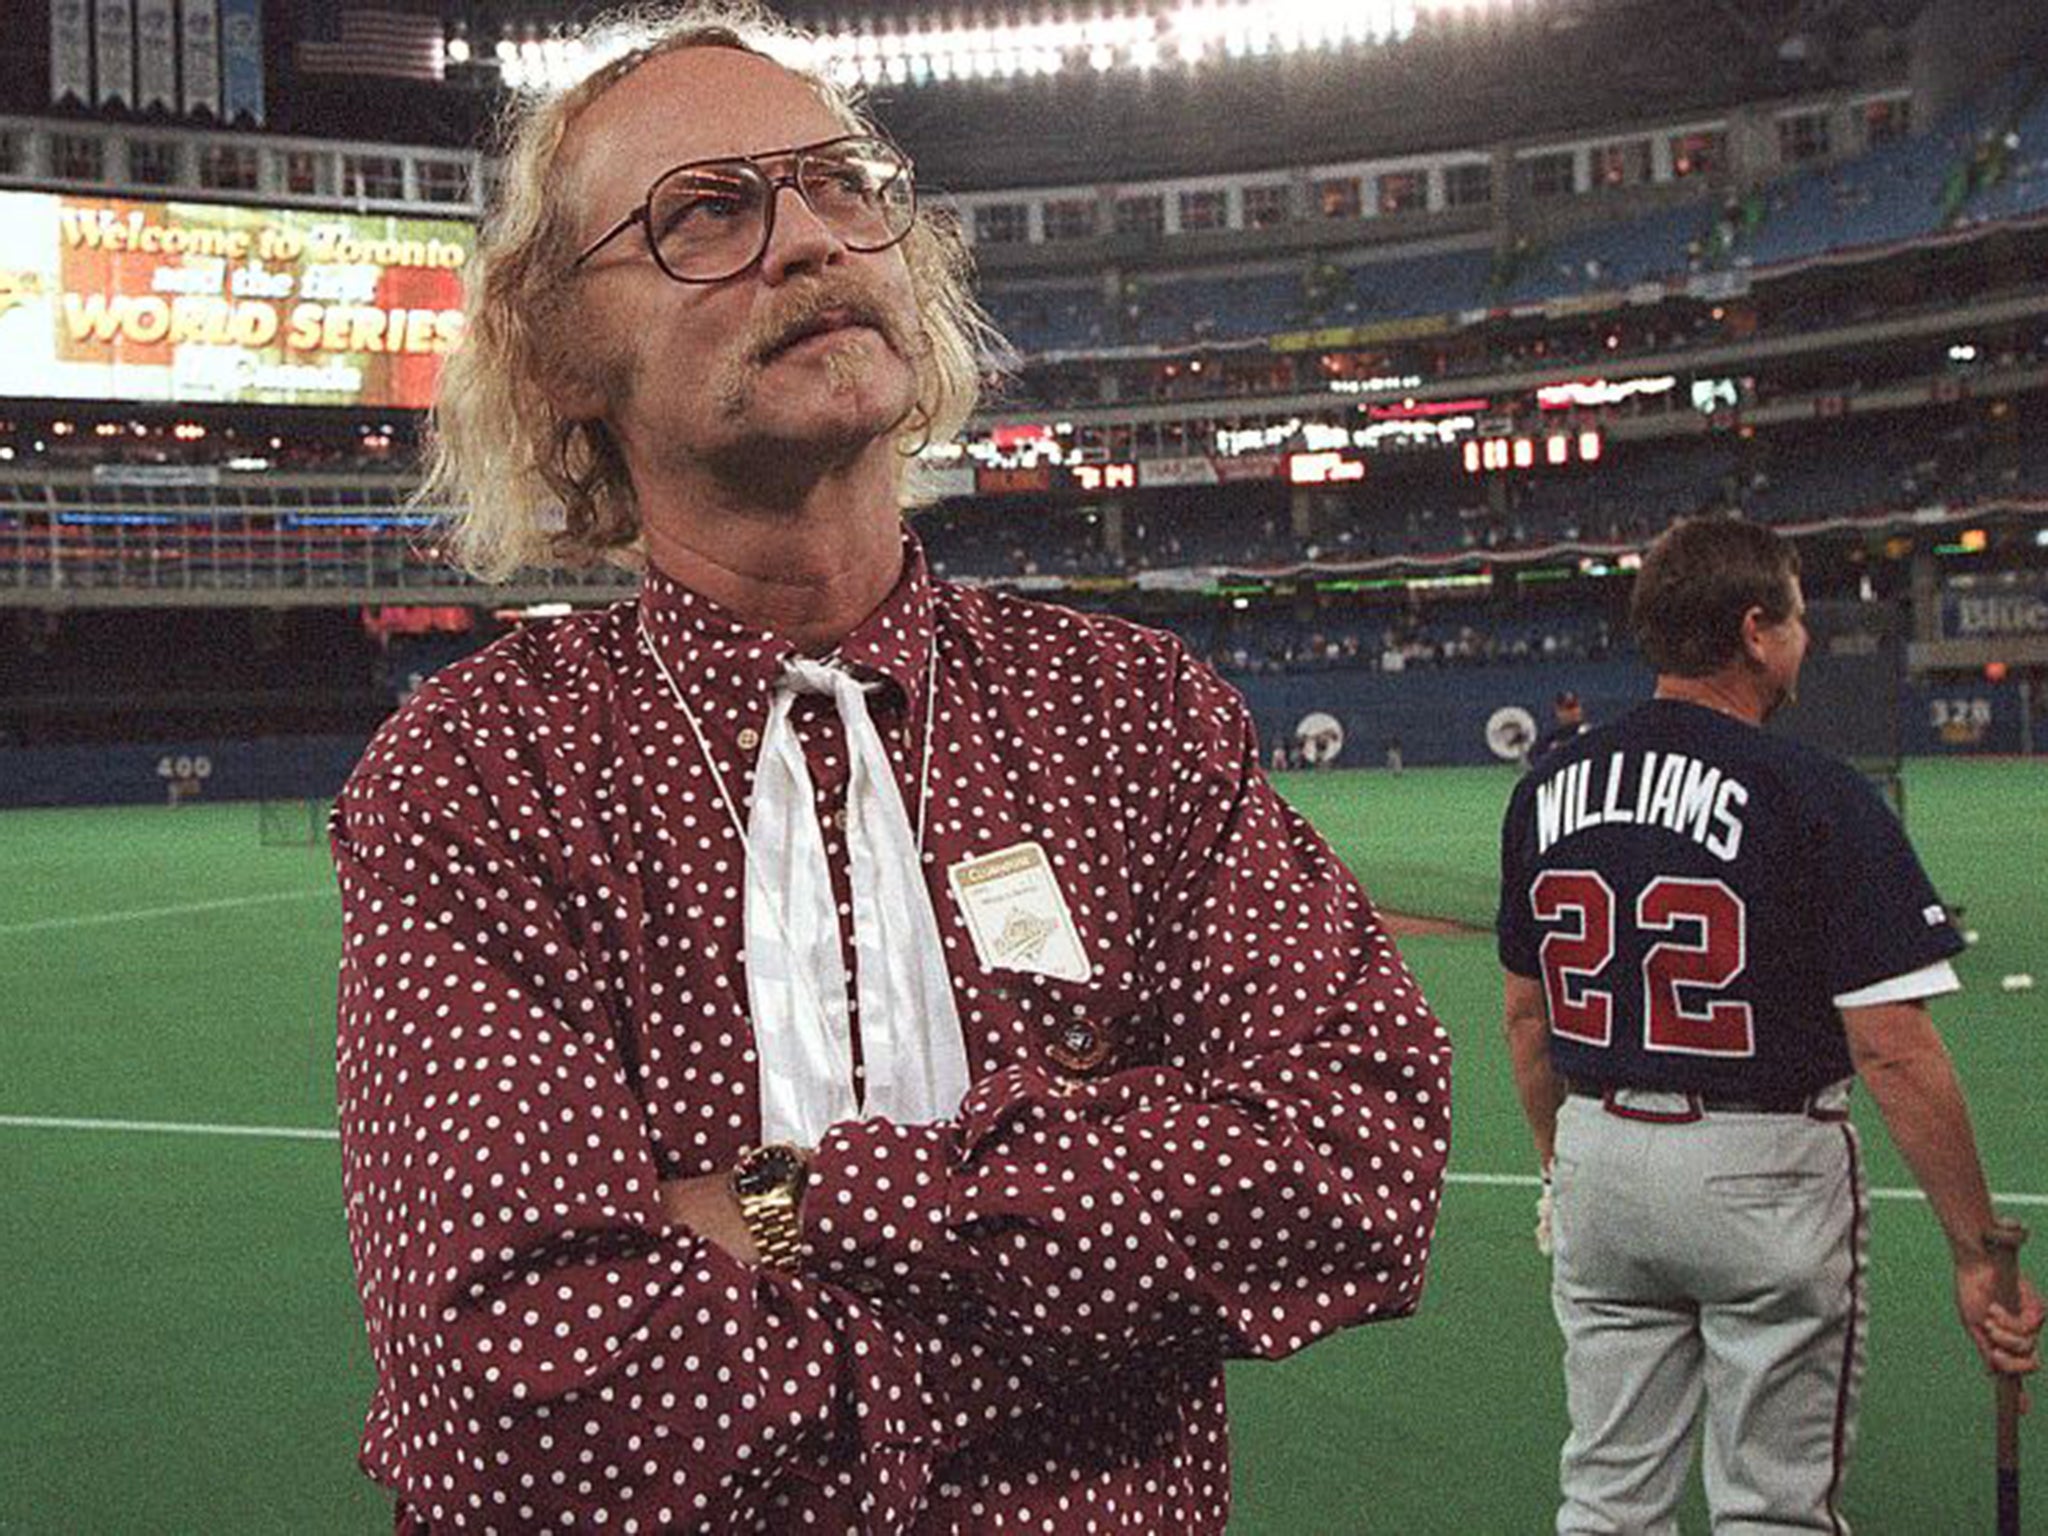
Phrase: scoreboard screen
(132, 300)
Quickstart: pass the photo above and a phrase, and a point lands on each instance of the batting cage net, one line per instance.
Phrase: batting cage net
(1849, 692)
(291, 823)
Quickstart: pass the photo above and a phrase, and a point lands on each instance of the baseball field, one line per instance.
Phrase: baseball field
(182, 1349)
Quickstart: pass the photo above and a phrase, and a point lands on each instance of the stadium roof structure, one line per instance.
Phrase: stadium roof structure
(1279, 91)
(1180, 87)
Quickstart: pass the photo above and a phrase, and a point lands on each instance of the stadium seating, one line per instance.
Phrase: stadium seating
(2019, 186)
(1889, 195)
(1609, 257)
(1444, 283)
(1892, 194)
(1049, 320)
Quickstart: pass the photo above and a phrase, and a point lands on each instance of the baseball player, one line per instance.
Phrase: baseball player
(1568, 723)
(1708, 932)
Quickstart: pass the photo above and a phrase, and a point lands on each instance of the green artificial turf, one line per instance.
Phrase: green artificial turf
(184, 1350)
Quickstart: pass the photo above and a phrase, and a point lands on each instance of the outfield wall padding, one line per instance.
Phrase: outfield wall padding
(1438, 715)
(275, 768)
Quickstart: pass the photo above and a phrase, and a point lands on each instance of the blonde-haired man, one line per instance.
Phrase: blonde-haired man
(821, 1048)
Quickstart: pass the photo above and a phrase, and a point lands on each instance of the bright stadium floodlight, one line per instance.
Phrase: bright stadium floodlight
(802, 53)
(1459, 10)
(1140, 35)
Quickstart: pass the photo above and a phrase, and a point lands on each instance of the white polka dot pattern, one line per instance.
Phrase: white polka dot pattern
(1230, 1141)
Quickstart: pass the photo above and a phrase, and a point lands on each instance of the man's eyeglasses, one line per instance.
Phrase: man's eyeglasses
(713, 219)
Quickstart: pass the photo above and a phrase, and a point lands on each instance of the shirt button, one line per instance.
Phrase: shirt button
(749, 739)
(1079, 1046)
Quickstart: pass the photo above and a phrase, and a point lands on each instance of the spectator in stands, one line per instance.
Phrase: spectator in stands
(788, 1020)
(1568, 720)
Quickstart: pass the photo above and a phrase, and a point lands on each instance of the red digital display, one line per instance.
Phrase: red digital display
(1105, 477)
(1013, 482)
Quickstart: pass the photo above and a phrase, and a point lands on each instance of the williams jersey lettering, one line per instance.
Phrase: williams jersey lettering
(1668, 790)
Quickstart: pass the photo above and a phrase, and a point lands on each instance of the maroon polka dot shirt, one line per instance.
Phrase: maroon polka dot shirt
(1228, 1142)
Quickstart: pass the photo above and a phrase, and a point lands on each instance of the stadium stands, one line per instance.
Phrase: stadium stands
(1856, 348)
(2011, 178)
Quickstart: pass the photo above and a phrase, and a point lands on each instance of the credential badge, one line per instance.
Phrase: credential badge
(1017, 915)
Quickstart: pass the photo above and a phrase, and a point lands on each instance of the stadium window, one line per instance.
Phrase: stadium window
(1802, 136)
(1699, 154)
(378, 176)
(1469, 185)
(442, 181)
(1621, 165)
(1265, 207)
(1338, 198)
(228, 167)
(1002, 224)
(152, 162)
(1070, 218)
(306, 172)
(1144, 214)
(1208, 208)
(1404, 192)
(1885, 122)
(77, 157)
(1550, 175)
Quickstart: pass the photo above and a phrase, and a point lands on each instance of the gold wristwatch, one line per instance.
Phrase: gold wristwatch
(768, 1182)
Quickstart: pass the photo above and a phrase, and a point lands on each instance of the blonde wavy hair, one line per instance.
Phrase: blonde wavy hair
(516, 482)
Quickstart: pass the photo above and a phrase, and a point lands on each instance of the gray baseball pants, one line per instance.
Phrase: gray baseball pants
(1716, 1264)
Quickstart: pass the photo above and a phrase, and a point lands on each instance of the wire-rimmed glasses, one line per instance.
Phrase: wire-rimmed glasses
(712, 219)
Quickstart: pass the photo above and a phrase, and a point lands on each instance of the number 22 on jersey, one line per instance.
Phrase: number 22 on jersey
(1702, 948)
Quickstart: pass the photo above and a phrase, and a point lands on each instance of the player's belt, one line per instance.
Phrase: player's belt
(1678, 1107)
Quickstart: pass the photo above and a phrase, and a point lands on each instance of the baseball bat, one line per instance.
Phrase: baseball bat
(2003, 1241)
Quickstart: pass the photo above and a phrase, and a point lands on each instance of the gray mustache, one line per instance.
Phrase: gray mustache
(801, 318)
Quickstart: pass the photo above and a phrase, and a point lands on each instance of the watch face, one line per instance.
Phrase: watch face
(767, 1170)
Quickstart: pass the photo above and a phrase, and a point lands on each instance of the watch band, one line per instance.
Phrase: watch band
(778, 1236)
(768, 1183)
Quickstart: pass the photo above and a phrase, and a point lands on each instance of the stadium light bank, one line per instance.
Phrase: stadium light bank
(915, 50)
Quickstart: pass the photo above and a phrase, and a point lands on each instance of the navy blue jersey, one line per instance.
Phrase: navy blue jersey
(1694, 892)
(1552, 742)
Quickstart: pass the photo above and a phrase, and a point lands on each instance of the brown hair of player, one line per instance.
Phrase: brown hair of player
(1699, 578)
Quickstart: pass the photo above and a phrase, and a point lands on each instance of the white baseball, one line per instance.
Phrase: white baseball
(2019, 981)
